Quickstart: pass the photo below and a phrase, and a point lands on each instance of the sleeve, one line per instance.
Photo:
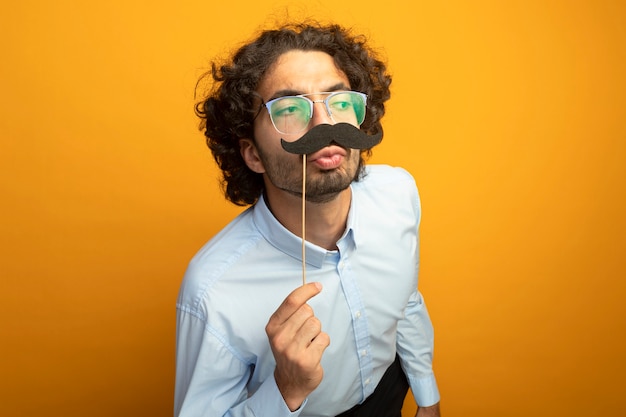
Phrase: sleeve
(211, 378)
(415, 345)
(415, 341)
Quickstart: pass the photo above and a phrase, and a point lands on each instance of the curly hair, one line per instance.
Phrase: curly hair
(229, 110)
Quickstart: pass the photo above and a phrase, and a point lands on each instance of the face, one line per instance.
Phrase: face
(330, 170)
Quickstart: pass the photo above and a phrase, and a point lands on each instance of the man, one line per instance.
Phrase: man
(252, 340)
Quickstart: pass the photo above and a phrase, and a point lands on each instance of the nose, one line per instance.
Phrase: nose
(320, 114)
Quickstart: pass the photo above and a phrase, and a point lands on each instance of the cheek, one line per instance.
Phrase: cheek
(266, 136)
(355, 156)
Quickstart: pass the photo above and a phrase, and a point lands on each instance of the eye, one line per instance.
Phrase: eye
(341, 105)
(341, 102)
(289, 107)
(285, 111)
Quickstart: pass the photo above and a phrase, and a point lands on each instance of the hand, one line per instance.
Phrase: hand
(432, 411)
(297, 342)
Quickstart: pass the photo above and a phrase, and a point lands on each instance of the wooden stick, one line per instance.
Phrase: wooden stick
(303, 219)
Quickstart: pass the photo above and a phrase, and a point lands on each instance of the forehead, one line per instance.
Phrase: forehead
(301, 72)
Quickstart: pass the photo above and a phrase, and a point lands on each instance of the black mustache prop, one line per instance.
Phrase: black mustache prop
(323, 135)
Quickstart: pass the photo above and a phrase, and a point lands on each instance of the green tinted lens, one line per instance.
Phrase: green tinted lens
(347, 106)
(290, 114)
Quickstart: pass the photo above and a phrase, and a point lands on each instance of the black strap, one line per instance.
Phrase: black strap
(388, 397)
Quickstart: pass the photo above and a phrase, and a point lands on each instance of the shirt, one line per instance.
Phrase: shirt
(369, 306)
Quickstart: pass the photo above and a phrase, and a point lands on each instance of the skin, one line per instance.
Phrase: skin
(295, 334)
(432, 411)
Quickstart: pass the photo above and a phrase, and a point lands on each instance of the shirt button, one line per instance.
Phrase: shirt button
(367, 381)
(363, 352)
(357, 314)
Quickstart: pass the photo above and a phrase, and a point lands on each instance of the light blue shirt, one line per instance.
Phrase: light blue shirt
(369, 306)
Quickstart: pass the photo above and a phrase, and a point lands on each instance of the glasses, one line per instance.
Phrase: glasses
(292, 114)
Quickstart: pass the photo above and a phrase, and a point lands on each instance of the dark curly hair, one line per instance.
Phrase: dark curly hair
(229, 109)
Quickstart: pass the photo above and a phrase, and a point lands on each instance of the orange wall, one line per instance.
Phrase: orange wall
(509, 114)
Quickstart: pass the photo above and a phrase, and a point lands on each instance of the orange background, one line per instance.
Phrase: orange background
(509, 114)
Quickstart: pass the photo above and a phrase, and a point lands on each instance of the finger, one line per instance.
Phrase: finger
(319, 344)
(307, 332)
(298, 319)
(294, 301)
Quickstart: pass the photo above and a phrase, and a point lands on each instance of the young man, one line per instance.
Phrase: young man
(252, 340)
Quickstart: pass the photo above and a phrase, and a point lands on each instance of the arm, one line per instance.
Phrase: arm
(415, 346)
(211, 380)
(432, 411)
(211, 377)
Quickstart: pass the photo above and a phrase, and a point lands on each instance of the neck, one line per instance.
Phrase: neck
(325, 222)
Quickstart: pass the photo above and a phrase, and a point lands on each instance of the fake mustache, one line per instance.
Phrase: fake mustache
(323, 135)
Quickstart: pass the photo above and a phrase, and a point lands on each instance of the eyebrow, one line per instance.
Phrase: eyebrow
(289, 92)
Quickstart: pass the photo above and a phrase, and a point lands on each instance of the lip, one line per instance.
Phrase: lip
(329, 157)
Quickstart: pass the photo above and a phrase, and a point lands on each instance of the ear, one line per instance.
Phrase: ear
(250, 155)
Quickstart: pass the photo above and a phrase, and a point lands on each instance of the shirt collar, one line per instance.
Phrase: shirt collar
(348, 241)
(285, 241)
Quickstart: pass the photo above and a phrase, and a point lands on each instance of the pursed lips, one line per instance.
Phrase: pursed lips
(329, 157)
(327, 152)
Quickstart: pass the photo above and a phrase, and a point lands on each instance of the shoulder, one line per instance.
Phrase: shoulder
(215, 259)
(386, 179)
(386, 175)
(388, 189)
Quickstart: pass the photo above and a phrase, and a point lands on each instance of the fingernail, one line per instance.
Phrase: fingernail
(318, 285)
